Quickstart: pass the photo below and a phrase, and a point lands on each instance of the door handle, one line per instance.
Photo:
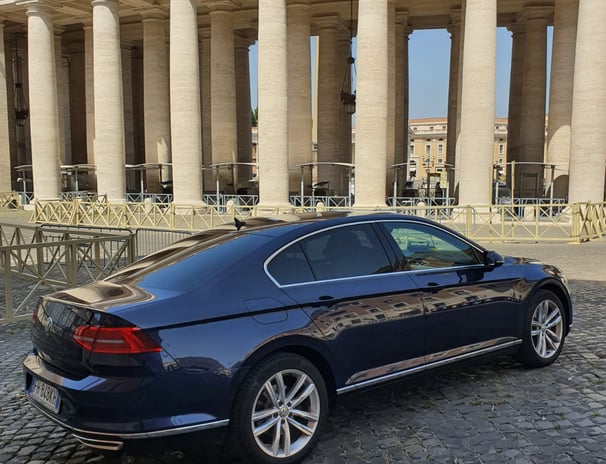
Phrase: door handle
(432, 284)
(325, 298)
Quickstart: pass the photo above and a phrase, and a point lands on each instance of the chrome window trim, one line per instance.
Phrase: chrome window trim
(375, 221)
(426, 367)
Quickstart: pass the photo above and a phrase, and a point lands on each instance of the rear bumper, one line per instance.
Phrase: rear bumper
(106, 425)
(115, 442)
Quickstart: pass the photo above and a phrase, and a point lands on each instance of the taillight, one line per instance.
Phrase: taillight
(114, 340)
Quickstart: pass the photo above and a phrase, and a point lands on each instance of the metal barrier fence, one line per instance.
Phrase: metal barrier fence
(38, 260)
(10, 200)
(329, 201)
(149, 240)
(530, 222)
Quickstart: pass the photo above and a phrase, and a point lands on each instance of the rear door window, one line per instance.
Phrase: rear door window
(290, 266)
(348, 251)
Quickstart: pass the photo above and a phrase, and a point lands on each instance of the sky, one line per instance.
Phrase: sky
(429, 61)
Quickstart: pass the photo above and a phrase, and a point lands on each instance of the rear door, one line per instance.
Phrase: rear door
(372, 318)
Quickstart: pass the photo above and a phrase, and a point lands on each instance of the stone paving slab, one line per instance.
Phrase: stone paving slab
(490, 412)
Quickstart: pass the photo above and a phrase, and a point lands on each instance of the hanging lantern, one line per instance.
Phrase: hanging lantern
(21, 109)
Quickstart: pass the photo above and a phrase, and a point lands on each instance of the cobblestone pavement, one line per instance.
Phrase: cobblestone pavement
(491, 412)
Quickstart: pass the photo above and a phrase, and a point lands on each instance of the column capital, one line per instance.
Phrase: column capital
(126, 45)
(155, 12)
(456, 16)
(402, 17)
(242, 40)
(535, 13)
(517, 28)
(204, 32)
(222, 5)
(110, 3)
(328, 21)
(45, 7)
(294, 3)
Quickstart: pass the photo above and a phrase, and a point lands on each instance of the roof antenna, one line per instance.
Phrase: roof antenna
(239, 224)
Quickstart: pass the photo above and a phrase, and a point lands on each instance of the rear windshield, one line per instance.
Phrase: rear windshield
(187, 263)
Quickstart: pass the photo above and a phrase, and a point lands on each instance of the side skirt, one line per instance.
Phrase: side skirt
(431, 362)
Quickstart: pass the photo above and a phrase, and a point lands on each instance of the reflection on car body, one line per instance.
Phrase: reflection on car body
(255, 331)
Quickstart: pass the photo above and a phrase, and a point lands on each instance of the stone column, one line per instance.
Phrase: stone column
(43, 102)
(89, 83)
(391, 89)
(127, 92)
(588, 126)
(207, 146)
(185, 126)
(299, 90)
(343, 155)
(243, 113)
(156, 98)
(560, 97)
(109, 104)
(371, 108)
(273, 105)
(474, 162)
(61, 100)
(329, 87)
(223, 90)
(5, 152)
(66, 120)
(514, 126)
(401, 99)
(453, 94)
(530, 180)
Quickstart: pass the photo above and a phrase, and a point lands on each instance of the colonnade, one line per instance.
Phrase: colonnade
(195, 96)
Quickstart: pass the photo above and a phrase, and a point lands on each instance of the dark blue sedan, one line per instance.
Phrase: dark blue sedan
(256, 330)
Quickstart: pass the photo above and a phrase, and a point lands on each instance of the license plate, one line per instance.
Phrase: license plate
(46, 394)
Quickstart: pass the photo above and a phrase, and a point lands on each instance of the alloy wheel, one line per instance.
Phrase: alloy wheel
(286, 413)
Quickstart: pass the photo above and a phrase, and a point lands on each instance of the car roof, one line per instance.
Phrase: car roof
(284, 224)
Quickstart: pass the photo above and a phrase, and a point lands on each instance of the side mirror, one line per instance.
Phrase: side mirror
(493, 259)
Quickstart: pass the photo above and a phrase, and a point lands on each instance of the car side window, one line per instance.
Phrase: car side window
(290, 266)
(346, 252)
(426, 247)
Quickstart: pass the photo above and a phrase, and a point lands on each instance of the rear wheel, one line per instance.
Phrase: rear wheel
(544, 330)
(279, 411)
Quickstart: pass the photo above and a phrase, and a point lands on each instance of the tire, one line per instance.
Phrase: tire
(544, 330)
(279, 411)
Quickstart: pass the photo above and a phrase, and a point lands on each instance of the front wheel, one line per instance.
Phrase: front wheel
(279, 411)
(544, 330)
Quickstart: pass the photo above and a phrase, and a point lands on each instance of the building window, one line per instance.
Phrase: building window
(430, 127)
(500, 161)
(413, 162)
(440, 149)
(501, 148)
(440, 160)
(427, 149)
(412, 148)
